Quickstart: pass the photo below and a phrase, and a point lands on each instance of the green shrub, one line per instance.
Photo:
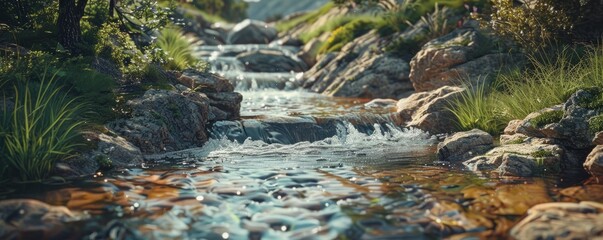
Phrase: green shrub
(407, 47)
(118, 46)
(531, 25)
(40, 130)
(547, 118)
(178, 54)
(345, 34)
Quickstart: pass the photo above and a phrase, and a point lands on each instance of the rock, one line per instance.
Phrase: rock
(309, 52)
(591, 192)
(119, 152)
(165, 121)
(224, 106)
(464, 54)
(567, 124)
(582, 220)
(464, 145)
(429, 110)
(522, 160)
(204, 82)
(32, 219)
(594, 163)
(360, 69)
(251, 32)
(381, 103)
(271, 61)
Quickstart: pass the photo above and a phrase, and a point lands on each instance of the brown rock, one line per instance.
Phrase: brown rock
(594, 162)
(429, 110)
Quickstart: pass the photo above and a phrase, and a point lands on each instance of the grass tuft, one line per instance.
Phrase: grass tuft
(40, 130)
(176, 48)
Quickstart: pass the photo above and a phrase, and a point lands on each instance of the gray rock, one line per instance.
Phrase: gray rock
(429, 110)
(522, 160)
(464, 54)
(594, 162)
(361, 69)
(464, 145)
(165, 121)
(224, 106)
(309, 52)
(119, 151)
(271, 61)
(252, 32)
(27, 218)
(204, 82)
(582, 220)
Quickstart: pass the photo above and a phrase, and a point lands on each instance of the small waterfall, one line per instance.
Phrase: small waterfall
(224, 62)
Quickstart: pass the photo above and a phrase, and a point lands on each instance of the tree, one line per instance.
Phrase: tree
(68, 24)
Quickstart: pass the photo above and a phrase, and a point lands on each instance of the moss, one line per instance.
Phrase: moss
(345, 34)
(308, 18)
(595, 124)
(595, 101)
(517, 141)
(542, 154)
(104, 162)
(546, 118)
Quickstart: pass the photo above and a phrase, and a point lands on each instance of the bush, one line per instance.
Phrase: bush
(40, 130)
(345, 34)
(118, 46)
(531, 25)
(176, 49)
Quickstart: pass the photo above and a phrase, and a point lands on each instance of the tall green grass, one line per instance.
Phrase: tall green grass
(176, 48)
(550, 81)
(41, 129)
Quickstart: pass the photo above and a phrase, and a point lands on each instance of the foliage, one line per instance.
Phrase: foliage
(175, 46)
(29, 14)
(517, 94)
(333, 24)
(309, 18)
(547, 118)
(118, 46)
(345, 34)
(532, 24)
(40, 130)
(473, 109)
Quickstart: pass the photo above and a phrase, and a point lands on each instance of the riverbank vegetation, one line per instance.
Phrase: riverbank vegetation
(58, 79)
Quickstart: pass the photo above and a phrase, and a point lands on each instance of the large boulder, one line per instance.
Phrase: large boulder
(429, 110)
(32, 219)
(464, 145)
(594, 163)
(251, 32)
(204, 82)
(464, 54)
(361, 69)
(165, 121)
(271, 61)
(582, 220)
(522, 160)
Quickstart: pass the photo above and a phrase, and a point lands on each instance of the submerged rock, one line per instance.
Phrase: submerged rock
(429, 110)
(582, 220)
(464, 145)
(522, 160)
(252, 32)
(594, 163)
(464, 54)
(30, 219)
(360, 69)
(271, 61)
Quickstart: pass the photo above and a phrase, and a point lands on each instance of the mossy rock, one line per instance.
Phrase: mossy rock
(595, 101)
(546, 118)
(595, 124)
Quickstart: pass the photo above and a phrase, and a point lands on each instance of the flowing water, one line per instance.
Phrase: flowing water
(297, 166)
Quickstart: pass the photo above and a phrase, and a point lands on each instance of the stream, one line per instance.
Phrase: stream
(298, 165)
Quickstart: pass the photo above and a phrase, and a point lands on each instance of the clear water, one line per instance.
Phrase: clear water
(381, 183)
